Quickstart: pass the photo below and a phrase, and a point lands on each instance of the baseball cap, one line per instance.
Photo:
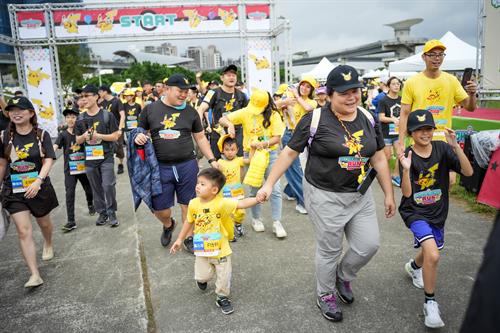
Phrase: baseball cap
(281, 89)
(74, 111)
(230, 68)
(178, 80)
(20, 102)
(420, 118)
(309, 79)
(433, 44)
(105, 88)
(321, 90)
(342, 78)
(91, 89)
(128, 92)
(258, 101)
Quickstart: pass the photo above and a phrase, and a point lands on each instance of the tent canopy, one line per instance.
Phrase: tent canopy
(321, 70)
(459, 55)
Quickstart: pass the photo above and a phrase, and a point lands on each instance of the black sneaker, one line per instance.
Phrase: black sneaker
(166, 235)
(120, 169)
(329, 307)
(224, 304)
(102, 219)
(113, 221)
(188, 244)
(238, 230)
(344, 291)
(202, 285)
(91, 210)
(71, 225)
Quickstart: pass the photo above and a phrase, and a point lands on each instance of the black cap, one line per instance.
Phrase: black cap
(145, 82)
(89, 88)
(178, 80)
(19, 102)
(418, 119)
(342, 78)
(78, 91)
(105, 88)
(74, 111)
(214, 82)
(230, 68)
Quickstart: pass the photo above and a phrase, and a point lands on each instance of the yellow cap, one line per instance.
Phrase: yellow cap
(258, 101)
(220, 142)
(128, 92)
(311, 80)
(165, 80)
(281, 89)
(139, 89)
(433, 44)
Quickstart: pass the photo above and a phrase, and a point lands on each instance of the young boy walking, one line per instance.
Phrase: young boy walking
(209, 214)
(424, 170)
(74, 168)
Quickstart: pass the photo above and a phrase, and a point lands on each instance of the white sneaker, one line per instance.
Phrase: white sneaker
(415, 274)
(300, 209)
(287, 198)
(278, 229)
(432, 315)
(257, 225)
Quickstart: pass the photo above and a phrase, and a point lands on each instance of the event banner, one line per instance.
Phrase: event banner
(40, 86)
(116, 22)
(259, 64)
(491, 51)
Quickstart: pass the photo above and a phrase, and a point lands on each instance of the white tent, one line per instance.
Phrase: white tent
(459, 55)
(321, 70)
(376, 73)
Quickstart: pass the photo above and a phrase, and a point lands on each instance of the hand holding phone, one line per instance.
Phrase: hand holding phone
(466, 77)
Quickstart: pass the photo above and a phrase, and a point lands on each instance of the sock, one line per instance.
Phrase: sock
(414, 265)
(429, 297)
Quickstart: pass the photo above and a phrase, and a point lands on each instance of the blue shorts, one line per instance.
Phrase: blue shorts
(176, 180)
(390, 141)
(423, 230)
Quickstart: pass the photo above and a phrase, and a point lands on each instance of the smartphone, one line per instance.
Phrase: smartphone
(367, 181)
(466, 76)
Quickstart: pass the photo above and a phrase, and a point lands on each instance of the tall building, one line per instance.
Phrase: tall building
(214, 59)
(196, 53)
(167, 49)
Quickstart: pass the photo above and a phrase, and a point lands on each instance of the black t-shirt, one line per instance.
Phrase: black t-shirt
(222, 102)
(28, 159)
(4, 121)
(131, 115)
(85, 121)
(113, 105)
(390, 108)
(71, 150)
(430, 180)
(332, 165)
(171, 130)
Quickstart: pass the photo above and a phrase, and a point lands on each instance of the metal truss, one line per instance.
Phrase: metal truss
(481, 16)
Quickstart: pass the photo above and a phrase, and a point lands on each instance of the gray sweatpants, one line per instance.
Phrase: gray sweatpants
(102, 180)
(333, 215)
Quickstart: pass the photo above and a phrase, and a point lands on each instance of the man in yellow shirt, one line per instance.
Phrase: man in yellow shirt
(436, 91)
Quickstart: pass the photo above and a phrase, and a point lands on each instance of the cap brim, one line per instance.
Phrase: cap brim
(187, 86)
(418, 126)
(342, 89)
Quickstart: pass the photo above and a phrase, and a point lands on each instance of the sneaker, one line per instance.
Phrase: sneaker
(91, 210)
(102, 219)
(257, 225)
(188, 244)
(288, 198)
(71, 225)
(120, 169)
(34, 281)
(415, 274)
(113, 221)
(396, 181)
(166, 235)
(47, 253)
(202, 285)
(301, 209)
(344, 291)
(278, 229)
(224, 304)
(432, 315)
(238, 230)
(329, 307)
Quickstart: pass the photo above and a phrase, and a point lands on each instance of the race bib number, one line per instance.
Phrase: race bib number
(131, 124)
(94, 152)
(393, 129)
(169, 134)
(352, 162)
(207, 245)
(233, 191)
(76, 167)
(427, 197)
(21, 181)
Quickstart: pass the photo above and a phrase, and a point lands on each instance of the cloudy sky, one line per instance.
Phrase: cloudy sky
(322, 26)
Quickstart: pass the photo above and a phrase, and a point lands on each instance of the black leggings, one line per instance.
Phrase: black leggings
(70, 184)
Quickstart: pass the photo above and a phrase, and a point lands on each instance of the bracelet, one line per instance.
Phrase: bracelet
(212, 160)
(41, 178)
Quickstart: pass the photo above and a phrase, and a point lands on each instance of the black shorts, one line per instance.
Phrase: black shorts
(39, 206)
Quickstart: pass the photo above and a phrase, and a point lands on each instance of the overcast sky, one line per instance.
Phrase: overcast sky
(322, 26)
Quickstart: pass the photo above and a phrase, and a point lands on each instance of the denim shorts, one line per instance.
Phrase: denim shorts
(423, 230)
(390, 141)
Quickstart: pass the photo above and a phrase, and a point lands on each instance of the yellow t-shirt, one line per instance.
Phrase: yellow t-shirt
(299, 111)
(252, 126)
(436, 95)
(213, 226)
(232, 171)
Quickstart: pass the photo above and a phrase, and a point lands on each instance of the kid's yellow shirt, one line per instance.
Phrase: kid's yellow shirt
(232, 171)
(213, 226)
(253, 128)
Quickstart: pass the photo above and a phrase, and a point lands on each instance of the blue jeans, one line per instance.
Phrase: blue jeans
(293, 174)
(276, 202)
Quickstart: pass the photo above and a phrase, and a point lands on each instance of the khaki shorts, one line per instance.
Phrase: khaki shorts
(204, 269)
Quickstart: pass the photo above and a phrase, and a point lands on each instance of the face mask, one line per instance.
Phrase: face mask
(180, 107)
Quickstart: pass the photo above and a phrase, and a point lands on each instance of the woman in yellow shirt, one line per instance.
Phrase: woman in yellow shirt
(262, 129)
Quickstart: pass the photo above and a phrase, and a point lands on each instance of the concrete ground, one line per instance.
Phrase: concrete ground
(123, 280)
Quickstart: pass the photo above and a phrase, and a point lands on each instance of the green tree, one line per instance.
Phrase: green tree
(73, 63)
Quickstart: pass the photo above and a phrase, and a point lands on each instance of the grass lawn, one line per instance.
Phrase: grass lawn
(493, 104)
(461, 123)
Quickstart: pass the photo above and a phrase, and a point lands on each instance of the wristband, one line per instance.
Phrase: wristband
(41, 178)
(210, 161)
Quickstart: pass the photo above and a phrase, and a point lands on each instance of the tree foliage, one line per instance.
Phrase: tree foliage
(73, 63)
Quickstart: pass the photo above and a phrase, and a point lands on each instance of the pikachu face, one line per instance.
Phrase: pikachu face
(35, 76)
(70, 22)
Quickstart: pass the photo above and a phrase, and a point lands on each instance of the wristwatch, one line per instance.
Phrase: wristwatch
(41, 178)
(210, 161)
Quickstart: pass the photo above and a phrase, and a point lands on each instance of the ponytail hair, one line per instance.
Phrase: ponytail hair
(12, 131)
(268, 111)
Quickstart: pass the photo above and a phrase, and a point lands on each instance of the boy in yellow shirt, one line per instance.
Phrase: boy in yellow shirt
(232, 168)
(209, 214)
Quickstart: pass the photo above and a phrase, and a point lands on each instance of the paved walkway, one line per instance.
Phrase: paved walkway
(123, 280)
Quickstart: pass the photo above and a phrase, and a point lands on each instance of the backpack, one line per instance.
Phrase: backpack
(39, 137)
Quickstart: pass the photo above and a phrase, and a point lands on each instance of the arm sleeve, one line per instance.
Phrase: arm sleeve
(47, 146)
(191, 212)
(407, 96)
(277, 126)
(60, 140)
(209, 98)
(80, 127)
(378, 135)
(143, 118)
(301, 134)
(236, 117)
(197, 125)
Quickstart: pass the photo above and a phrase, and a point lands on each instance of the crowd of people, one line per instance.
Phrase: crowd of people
(250, 139)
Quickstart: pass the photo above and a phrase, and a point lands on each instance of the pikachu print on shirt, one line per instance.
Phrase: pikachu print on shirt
(168, 123)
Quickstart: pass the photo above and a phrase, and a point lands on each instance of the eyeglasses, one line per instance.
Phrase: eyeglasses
(87, 95)
(436, 55)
